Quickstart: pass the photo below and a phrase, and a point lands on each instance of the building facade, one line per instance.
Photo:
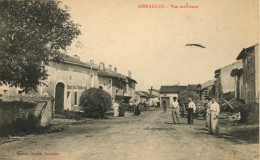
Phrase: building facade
(250, 59)
(224, 83)
(115, 83)
(66, 82)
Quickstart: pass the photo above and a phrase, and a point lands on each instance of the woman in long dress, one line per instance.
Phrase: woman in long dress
(116, 109)
(213, 120)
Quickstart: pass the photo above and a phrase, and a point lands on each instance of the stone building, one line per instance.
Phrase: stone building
(67, 80)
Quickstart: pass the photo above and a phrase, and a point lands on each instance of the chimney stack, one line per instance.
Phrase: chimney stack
(102, 66)
(76, 57)
(130, 74)
(110, 67)
(115, 69)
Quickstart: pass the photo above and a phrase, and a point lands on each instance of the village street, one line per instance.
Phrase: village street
(149, 136)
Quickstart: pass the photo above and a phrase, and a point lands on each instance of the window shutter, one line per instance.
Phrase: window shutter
(72, 98)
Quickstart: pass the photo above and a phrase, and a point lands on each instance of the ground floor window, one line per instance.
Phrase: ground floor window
(75, 98)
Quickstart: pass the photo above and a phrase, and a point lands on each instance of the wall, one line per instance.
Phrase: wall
(226, 81)
(131, 88)
(257, 73)
(106, 83)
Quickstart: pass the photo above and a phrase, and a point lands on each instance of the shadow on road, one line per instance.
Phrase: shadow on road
(235, 135)
(243, 135)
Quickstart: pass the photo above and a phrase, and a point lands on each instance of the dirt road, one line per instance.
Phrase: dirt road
(149, 136)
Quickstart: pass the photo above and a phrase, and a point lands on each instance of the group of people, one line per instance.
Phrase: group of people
(119, 108)
(212, 112)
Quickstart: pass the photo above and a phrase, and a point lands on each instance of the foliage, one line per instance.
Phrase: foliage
(21, 126)
(95, 101)
(185, 95)
(32, 32)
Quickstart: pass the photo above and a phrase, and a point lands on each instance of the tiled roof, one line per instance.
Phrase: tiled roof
(111, 74)
(172, 89)
(193, 87)
(207, 84)
(145, 94)
(72, 60)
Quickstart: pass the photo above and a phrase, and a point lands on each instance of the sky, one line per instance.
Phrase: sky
(151, 41)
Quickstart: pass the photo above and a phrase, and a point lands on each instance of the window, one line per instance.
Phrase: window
(75, 98)
(70, 79)
(83, 79)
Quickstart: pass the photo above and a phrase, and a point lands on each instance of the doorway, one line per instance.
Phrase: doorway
(59, 98)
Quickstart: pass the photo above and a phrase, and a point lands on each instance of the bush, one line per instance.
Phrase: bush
(185, 95)
(249, 113)
(95, 101)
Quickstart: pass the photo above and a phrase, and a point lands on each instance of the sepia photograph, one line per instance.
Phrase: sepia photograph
(129, 79)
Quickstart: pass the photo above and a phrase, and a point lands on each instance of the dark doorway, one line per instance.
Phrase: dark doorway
(59, 98)
(167, 99)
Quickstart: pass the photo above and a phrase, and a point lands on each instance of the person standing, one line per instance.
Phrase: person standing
(213, 119)
(116, 109)
(207, 106)
(175, 111)
(164, 106)
(191, 111)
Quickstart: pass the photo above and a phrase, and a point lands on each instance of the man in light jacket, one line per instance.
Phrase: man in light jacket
(175, 110)
(191, 111)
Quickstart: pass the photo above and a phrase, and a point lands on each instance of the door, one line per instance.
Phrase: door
(167, 99)
(59, 98)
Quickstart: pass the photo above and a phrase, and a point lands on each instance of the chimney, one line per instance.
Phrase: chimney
(91, 61)
(101, 65)
(76, 57)
(130, 74)
(115, 69)
(110, 67)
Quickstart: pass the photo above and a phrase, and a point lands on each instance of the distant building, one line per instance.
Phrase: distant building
(115, 83)
(168, 92)
(224, 84)
(146, 97)
(250, 59)
(207, 89)
(154, 92)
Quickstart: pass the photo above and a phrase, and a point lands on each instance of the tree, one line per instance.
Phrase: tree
(95, 100)
(32, 32)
